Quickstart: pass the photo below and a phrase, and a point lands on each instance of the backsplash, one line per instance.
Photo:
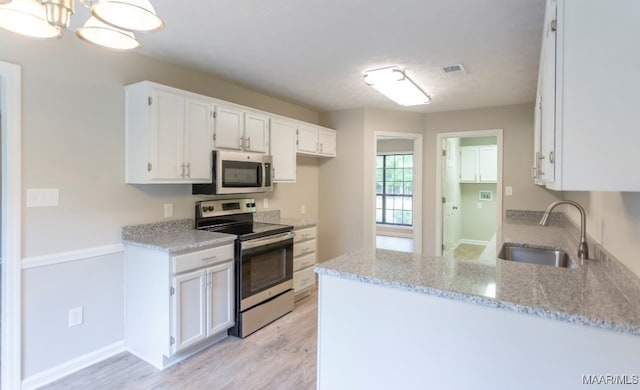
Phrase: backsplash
(270, 216)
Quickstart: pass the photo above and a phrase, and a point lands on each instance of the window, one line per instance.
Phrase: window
(394, 189)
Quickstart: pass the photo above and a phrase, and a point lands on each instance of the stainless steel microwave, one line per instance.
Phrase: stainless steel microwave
(238, 173)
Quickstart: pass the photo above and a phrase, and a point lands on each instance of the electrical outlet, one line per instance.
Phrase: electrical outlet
(75, 317)
(168, 210)
(303, 209)
(265, 203)
(508, 190)
(479, 205)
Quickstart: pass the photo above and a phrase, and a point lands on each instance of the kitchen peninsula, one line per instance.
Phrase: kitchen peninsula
(396, 320)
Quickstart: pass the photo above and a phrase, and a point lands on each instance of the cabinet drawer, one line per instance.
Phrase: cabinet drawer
(304, 248)
(304, 279)
(203, 258)
(305, 234)
(304, 262)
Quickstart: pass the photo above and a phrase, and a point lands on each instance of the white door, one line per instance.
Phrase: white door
(198, 140)
(229, 128)
(450, 194)
(307, 139)
(283, 150)
(256, 132)
(327, 141)
(220, 298)
(188, 310)
(488, 163)
(167, 124)
(468, 164)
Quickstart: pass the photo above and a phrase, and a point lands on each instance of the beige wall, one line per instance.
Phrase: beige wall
(613, 219)
(397, 145)
(73, 139)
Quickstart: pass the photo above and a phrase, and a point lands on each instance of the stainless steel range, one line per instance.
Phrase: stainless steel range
(263, 257)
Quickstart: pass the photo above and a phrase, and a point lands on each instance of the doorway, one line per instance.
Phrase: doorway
(469, 194)
(398, 191)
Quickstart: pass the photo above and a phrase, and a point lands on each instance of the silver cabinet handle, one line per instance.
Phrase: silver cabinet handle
(188, 169)
(210, 258)
(264, 241)
(241, 140)
(248, 143)
(182, 170)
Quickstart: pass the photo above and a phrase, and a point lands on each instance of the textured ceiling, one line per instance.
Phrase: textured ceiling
(314, 52)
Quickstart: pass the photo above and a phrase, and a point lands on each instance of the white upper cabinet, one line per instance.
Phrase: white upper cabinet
(256, 133)
(229, 128)
(316, 141)
(587, 107)
(170, 133)
(167, 135)
(283, 149)
(479, 164)
(237, 129)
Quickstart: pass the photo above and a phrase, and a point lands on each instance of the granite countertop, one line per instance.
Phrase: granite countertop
(173, 236)
(273, 216)
(298, 223)
(600, 293)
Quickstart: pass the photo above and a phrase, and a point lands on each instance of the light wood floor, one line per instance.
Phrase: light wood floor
(281, 355)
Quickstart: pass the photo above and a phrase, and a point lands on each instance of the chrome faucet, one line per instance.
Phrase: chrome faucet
(583, 249)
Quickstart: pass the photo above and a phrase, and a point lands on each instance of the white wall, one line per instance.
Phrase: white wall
(73, 139)
(613, 219)
(478, 224)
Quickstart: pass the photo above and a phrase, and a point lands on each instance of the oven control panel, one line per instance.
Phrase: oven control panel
(215, 208)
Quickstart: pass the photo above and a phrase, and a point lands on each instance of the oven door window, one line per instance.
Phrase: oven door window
(266, 266)
(238, 174)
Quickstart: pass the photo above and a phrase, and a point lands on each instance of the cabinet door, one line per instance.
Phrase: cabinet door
(488, 164)
(229, 128)
(468, 164)
(188, 308)
(308, 139)
(220, 298)
(327, 141)
(167, 129)
(283, 150)
(548, 98)
(198, 141)
(256, 133)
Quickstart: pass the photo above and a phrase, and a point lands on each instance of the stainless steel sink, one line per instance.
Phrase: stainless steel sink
(536, 255)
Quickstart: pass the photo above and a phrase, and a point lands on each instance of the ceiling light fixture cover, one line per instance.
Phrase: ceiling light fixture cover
(97, 32)
(27, 17)
(132, 15)
(394, 83)
(5, 1)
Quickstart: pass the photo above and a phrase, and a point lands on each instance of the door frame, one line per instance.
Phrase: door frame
(498, 133)
(11, 100)
(417, 182)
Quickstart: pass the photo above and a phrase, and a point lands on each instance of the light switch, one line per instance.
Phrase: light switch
(43, 197)
(76, 317)
(479, 205)
(508, 190)
(303, 209)
(265, 203)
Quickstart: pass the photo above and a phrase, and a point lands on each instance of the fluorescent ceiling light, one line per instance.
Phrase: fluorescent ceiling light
(394, 83)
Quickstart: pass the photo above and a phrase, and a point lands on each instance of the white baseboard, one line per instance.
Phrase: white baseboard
(71, 366)
(471, 242)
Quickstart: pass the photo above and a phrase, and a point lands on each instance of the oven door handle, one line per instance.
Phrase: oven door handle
(266, 241)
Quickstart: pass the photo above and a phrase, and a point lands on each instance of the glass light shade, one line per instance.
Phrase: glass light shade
(27, 17)
(99, 33)
(5, 1)
(132, 15)
(397, 86)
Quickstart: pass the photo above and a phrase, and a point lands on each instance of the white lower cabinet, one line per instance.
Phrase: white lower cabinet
(176, 305)
(202, 305)
(304, 260)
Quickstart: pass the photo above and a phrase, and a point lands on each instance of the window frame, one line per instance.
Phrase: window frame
(384, 193)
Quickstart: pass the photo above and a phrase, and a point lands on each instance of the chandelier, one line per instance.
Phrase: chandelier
(112, 22)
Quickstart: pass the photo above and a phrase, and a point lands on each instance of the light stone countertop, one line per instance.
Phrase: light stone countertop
(599, 293)
(173, 236)
(298, 223)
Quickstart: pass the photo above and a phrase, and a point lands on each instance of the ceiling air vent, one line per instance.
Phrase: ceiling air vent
(454, 70)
